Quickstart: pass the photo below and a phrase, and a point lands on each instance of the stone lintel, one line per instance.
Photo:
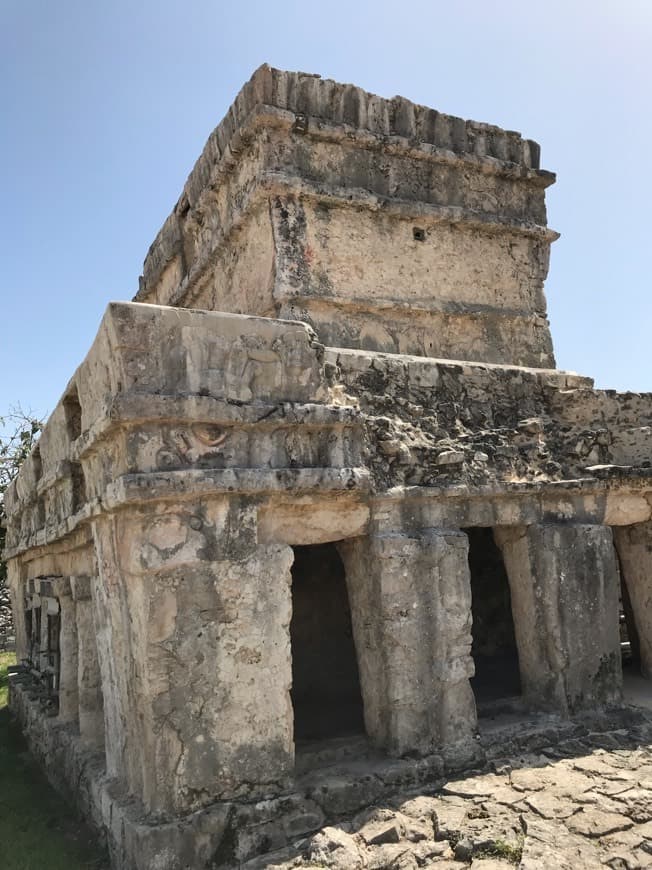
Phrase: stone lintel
(622, 499)
(61, 587)
(429, 370)
(179, 484)
(574, 501)
(45, 586)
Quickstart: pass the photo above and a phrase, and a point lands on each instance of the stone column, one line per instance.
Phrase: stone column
(68, 660)
(40, 601)
(89, 680)
(197, 615)
(410, 600)
(634, 545)
(564, 588)
(25, 600)
(20, 595)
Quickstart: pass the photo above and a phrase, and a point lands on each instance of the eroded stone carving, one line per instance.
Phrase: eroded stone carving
(198, 444)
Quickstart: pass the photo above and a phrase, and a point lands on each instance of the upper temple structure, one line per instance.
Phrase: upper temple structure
(318, 503)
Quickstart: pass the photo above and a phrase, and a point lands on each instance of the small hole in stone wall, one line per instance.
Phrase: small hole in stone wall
(40, 513)
(419, 234)
(36, 463)
(300, 124)
(78, 486)
(72, 412)
(183, 207)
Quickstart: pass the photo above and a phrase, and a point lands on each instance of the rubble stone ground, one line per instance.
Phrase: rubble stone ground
(584, 803)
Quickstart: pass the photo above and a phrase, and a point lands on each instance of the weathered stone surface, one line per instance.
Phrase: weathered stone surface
(397, 611)
(546, 844)
(319, 210)
(595, 823)
(204, 470)
(476, 786)
(334, 848)
(527, 779)
(491, 864)
(89, 677)
(564, 587)
(550, 806)
(489, 835)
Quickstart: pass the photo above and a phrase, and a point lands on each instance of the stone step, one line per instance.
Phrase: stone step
(324, 753)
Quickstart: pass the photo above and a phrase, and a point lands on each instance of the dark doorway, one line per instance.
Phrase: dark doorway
(629, 642)
(494, 648)
(325, 682)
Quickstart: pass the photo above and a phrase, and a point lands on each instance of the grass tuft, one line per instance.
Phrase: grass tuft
(512, 852)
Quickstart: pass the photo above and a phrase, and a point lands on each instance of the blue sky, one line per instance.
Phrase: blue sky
(106, 104)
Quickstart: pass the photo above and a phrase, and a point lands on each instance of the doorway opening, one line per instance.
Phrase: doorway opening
(630, 651)
(325, 683)
(495, 654)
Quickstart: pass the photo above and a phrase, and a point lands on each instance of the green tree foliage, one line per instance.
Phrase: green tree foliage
(19, 432)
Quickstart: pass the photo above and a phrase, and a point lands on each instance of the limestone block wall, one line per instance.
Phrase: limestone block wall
(394, 391)
(198, 619)
(174, 611)
(441, 422)
(385, 225)
(193, 450)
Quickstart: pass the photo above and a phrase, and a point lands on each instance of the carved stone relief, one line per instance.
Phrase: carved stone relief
(200, 444)
(244, 368)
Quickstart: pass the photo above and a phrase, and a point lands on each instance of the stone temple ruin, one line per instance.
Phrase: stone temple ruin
(339, 520)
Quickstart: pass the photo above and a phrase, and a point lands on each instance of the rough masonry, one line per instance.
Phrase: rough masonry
(361, 505)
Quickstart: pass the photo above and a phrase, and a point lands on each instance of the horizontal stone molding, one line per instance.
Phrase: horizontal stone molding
(137, 488)
(169, 243)
(621, 497)
(134, 407)
(419, 366)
